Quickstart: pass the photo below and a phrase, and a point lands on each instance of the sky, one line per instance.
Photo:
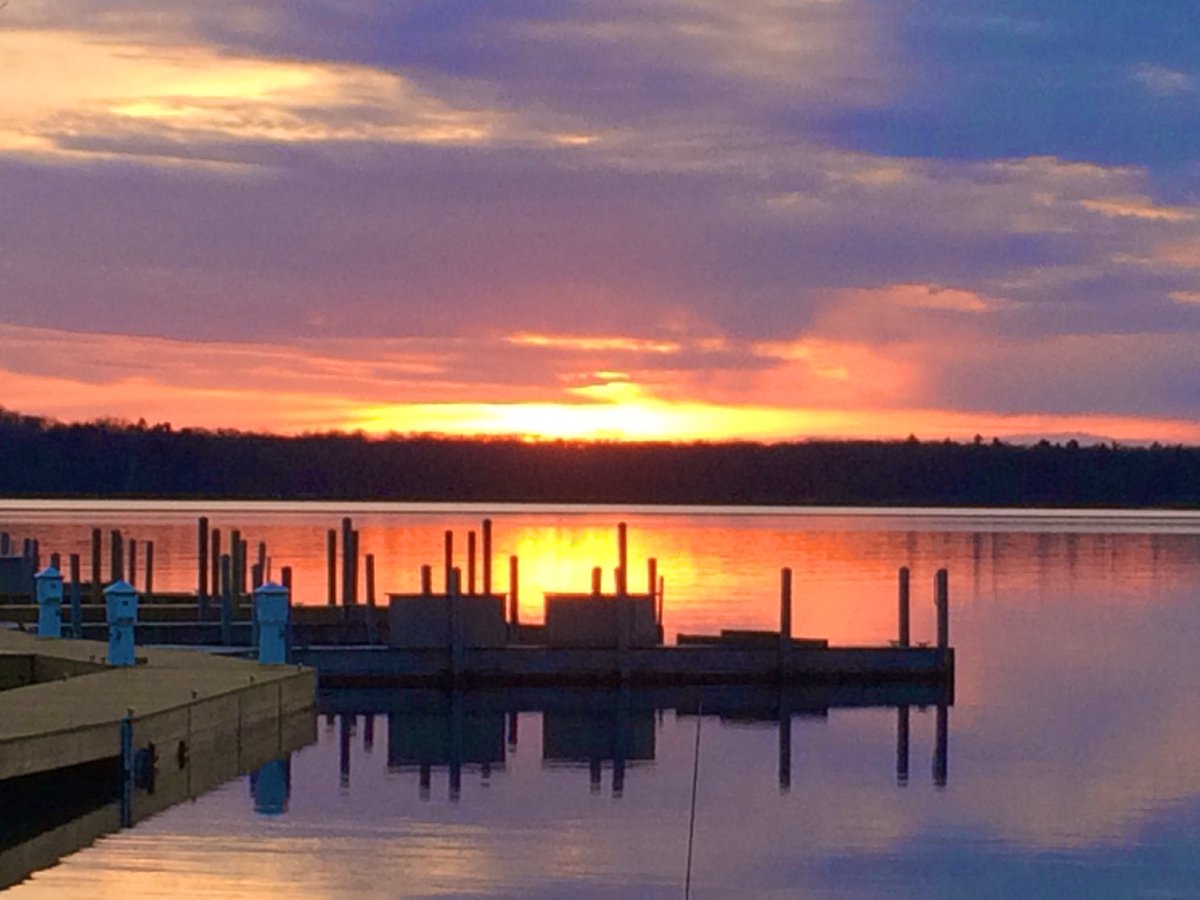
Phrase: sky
(661, 219)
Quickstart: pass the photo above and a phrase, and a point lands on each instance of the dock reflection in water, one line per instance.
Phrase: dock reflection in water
(47, 816)
(602, 729)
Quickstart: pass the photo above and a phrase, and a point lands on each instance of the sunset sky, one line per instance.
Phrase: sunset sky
(655, 219)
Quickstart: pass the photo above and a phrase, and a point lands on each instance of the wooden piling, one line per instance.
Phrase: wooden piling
(487, 557)
(347, 573)
(652, 577)
(56, 561)
(235, 565)
(662, 584)
(285, 576)
(116, 567)
(149, 585)
(454, 617)
(448, 558)
(471, 563)
(76, 598)
(514, 579)
(427, 580)
(226, 599)
(903, 636)
(597, 581)
(369, 564)
(785, 622)
(331, 566)
(622, 558)
(622, 615)
(133, 579)
(97, 579)
(353, 566)
(243, 570)
(256, 576)
(215, 582)
(5, 543)
(941, 595)
(263, 572)
(202, 560)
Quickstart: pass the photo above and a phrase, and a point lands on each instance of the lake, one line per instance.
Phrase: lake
(1072, 751)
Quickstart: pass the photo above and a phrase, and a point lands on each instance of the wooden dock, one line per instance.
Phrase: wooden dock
(128, 741)
(470, 633)
(680, 665)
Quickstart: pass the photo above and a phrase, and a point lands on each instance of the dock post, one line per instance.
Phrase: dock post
(597, 581)
(471, 563)
(902, 639)
(5, 543)
(486, 554)
(785, 624)
(226, 599)
(215, 581)
(369, 563)
(347, 572)
(622, 558)
(235, 571)
(242, 570)
(97, 579)
(257, 576)
(427, 580)
(262, 563)
(202, 561)
(902, 745)
(271, 613)
(76, 598)
(331, 566)
(514, 605)
(49, 589)
(56, 561)
(652, 580)
(132, 579)
(447, 558)
(149, 584)
(941, 598)
(455, 622)
(354, 545)
(121, 603)
(285, 577)
(116, 568)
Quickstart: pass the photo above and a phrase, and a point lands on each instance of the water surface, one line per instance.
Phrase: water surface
(1072, 768)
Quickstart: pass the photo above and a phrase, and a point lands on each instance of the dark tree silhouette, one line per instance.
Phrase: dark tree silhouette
(107, 458)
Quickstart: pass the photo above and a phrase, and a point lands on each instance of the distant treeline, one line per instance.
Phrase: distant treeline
(42, 458)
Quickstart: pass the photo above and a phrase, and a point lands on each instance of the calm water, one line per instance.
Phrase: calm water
(1073, 763)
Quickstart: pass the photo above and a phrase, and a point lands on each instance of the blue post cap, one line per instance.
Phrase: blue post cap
(48, 572)
(120, 587)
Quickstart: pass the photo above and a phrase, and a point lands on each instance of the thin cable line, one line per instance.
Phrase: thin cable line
(687, 884)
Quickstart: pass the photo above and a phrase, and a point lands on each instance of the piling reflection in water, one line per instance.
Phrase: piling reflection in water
(615, 729)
